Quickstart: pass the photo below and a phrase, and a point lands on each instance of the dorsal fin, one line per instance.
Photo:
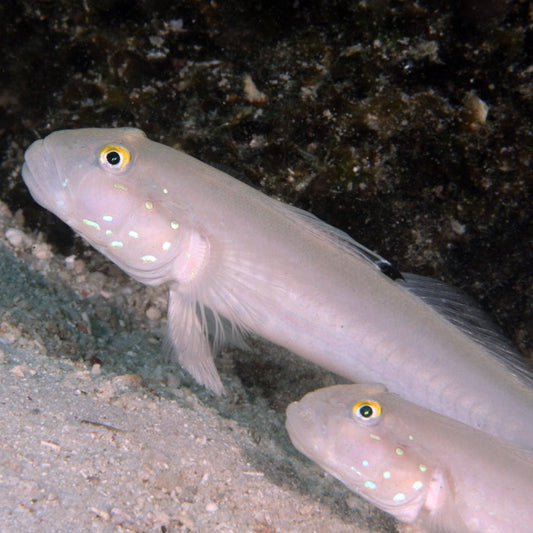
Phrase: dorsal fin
(340, 238)
(464, 313)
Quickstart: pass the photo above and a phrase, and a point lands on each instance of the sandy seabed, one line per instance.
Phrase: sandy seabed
(134, 444)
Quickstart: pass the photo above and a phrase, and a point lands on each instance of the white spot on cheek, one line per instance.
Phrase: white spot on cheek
(399, 497)
(422, 468)
(148, 258)
(116, 244)
(149, 205)
(370, 485)
(166, 246)
(133, 234)
(108, 232)
(174, 224)
(120, 187)
(398, 451)
(91, 223)
(165, 191)
(107, 218)
(364, 462)
(64, 183)
(417, 485)
(386, 474)
(375, 437)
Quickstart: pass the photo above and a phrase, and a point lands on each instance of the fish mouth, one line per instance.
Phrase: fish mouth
(40, 174)
(35, 170)
(298, 422)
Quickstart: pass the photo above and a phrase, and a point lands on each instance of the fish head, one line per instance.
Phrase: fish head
(104, 184)
(349, 430)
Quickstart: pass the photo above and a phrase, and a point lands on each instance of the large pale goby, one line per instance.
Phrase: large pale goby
(226, 250)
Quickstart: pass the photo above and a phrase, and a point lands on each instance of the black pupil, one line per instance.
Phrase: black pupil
(113, 158)
(366, 411)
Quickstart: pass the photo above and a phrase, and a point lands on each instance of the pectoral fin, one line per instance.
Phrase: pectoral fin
(189, 342)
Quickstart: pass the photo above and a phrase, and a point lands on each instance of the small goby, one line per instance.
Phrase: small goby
(238, 261)
(417, 465)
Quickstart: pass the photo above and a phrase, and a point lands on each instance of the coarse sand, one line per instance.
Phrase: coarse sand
(100, 433)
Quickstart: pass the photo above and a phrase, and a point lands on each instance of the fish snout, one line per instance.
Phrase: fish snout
(41, 176)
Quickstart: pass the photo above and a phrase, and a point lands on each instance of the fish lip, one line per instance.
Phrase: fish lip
(38, 171)
(36, 157)
(297, 418)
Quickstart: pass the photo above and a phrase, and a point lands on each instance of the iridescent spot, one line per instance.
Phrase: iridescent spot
(107, 218)
(91, 223)
(148, 258)
(398, 451)
(375, 437)
(165, 191)
(108, 232)
(370, 485)
(174, 224)
(411, 437)
(64, 183)
(386, 474)
(120, 187)
(148, 204)
(166, 246)
(133, 234)
(399, 497)
(364, 462)
(422, 468)
(116, 244)
(417, 485)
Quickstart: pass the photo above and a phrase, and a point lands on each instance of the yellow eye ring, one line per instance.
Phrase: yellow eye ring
(114, 157)
(367, 411)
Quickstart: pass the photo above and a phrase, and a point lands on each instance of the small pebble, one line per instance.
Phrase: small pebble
(21, 371)
(153, 313)
(127, 381)
(211, 507)
(475, 110)
(42, 251)
(9, 334)
(100, 513)
(18, 239)
(252, 93)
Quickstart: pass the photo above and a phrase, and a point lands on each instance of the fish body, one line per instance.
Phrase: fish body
(231, 254)
(415, 464)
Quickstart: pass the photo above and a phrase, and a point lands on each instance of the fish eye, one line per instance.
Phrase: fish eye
(366, 410)
(114, 157)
